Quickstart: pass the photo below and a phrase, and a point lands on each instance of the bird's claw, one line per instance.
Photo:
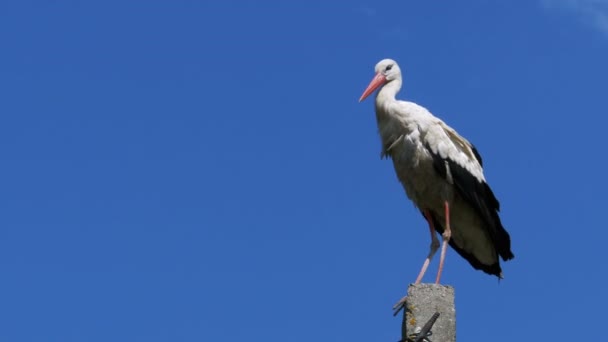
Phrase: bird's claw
(399, 305)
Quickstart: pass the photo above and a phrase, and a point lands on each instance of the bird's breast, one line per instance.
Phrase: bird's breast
(415, 170)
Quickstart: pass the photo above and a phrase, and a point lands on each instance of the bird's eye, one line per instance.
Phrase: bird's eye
(389, 67)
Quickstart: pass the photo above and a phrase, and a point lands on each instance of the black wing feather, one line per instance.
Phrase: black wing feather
(480, 196)
(477, 155)
(493, 269)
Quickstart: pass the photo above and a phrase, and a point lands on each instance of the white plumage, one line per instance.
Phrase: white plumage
(442, 174)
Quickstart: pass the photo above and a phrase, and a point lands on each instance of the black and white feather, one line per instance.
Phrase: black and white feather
(435, 164)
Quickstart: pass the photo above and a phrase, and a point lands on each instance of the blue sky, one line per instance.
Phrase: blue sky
(202, 170)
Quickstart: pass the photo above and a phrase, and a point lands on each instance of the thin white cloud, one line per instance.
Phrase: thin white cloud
(592, 12)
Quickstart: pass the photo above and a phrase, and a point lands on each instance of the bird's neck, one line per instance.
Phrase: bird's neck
(388, 92)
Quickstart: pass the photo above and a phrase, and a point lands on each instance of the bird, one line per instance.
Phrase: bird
(442, 174)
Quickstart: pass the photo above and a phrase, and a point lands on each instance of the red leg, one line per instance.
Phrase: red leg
(434, 246)
(447, 234)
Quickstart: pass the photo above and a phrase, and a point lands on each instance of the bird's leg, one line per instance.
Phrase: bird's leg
(447, 234)
(433, 249)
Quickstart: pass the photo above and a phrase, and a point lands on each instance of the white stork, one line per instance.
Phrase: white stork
(442, 174)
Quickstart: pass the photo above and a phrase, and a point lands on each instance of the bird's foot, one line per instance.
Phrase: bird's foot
(399, 305)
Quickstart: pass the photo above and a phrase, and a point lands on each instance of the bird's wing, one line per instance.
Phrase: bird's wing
(445, 142)
(457, 160)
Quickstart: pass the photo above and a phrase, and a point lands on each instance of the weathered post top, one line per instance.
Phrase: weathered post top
(423, 301)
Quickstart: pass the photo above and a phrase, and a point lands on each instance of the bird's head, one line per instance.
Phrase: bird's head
(387, 70)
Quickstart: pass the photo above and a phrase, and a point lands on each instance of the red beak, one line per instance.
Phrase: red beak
(376, 82)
